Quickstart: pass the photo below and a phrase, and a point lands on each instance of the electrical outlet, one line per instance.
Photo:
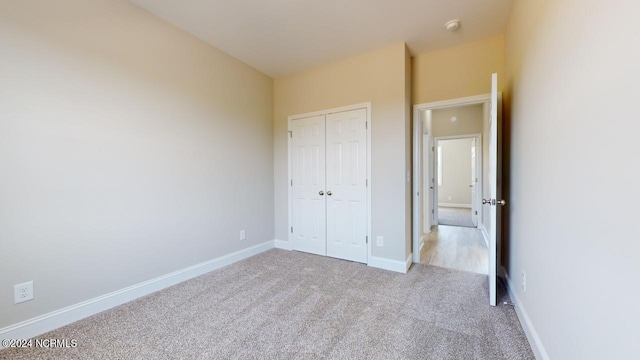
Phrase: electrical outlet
(379, 241)
(23, 292)
(243, 235)
(524, 281)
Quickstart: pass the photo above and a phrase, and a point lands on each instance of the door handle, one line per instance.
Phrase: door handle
(321, 193)
(329, 193)
(494, 202)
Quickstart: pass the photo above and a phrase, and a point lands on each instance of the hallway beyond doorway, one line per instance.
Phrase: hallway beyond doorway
(453, 216)
(455, 247)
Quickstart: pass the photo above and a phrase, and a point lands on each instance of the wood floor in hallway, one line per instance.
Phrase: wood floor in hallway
(455, 247)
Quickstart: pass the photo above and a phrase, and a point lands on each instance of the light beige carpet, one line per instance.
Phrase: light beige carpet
(291, 305)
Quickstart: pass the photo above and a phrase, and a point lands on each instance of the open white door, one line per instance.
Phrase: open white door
(494, 204)
(427, 183)
(474, 182)
(432, 180)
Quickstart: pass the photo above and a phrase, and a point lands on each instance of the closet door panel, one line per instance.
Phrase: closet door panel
(308, 176)
(346, 170)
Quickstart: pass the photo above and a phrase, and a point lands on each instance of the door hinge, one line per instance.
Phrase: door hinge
(433, 211)
(292, 229)
(291, 182)
(290, 134)
(366, 125)
(433, 148)
(366, 239)
(418, 193)
(476, 213)
(366, 182)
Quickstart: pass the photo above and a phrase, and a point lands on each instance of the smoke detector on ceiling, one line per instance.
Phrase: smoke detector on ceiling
(452, 25)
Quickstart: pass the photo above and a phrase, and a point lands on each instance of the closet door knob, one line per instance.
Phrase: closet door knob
(329, 193)
(321, 193)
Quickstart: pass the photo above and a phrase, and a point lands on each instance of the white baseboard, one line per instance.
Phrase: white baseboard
(455, 205)
(283, 244)
(485, 234)
(408, 262)
(392, 265)
(55, 319)
(532, 335)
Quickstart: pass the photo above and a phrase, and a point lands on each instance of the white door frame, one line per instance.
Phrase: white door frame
(417, 158)
(478, 198)
(367, 106)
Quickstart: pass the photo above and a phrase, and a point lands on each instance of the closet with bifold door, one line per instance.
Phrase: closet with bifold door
(328, 197)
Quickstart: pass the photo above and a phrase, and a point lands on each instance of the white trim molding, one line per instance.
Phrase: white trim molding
(282, 244)
(58, 318)
(531, 333)
(391, 265)
(455, 205)
(485, 234)
(418, 130)
(408, 262)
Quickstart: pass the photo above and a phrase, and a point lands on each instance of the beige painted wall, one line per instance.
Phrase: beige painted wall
(573, 124)
(469, 121)
(456, 172)
(379, 77)
(457, 72)
(128, 150)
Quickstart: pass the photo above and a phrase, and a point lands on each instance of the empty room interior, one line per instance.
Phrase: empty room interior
(354, 179)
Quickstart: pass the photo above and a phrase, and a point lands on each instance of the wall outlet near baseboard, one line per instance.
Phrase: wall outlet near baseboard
(379, 241)
(524, 281)
(243, 235)
(23, 292)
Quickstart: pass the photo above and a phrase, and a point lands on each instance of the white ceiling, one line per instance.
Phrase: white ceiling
(280, 37)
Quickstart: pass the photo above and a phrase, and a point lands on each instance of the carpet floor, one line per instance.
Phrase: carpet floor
(290, 305)
(454, 216)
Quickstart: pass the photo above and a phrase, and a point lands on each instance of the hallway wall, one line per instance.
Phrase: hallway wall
(456, 172)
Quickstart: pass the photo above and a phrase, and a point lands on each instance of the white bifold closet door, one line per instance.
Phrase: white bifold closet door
(346, 188)
(308, 178)
(329, 163)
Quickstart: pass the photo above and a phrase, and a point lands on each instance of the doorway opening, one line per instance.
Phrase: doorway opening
(425, 180)
(452, 183)
(459, 175)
